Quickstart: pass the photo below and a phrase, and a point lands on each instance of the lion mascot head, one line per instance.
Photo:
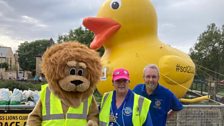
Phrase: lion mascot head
(72, 71)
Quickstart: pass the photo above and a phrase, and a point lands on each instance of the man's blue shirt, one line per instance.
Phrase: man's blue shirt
(126, 110)
(162, 100)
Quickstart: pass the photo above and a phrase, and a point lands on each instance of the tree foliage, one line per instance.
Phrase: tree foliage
(4, 65)
(28, 51)
(208, 52)
(81, 35)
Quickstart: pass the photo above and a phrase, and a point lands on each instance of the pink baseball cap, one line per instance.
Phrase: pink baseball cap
(120, 74)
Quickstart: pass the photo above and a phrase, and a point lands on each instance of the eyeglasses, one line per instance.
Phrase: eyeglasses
(120, 81)
(153, 76)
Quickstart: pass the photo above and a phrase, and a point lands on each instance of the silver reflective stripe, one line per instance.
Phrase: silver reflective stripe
(85, 106)
(104, 99)
(47, 101)
(76, 116)
(49, 116)
(140, 103)
(103, 123)
(80, 116)
(53, 117)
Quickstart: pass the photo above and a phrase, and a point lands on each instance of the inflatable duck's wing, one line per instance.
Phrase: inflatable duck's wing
(176, 70)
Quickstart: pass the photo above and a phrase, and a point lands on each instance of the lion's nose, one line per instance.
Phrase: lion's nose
(77, 82)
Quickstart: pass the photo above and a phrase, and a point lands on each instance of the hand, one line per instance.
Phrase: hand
(170, 113)
(92, 123)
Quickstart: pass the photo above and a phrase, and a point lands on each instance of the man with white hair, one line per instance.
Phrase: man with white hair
(163, 102)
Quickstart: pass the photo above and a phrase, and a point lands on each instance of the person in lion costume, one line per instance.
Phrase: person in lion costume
(72, 71)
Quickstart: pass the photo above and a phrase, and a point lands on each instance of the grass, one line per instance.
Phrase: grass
(22, 85)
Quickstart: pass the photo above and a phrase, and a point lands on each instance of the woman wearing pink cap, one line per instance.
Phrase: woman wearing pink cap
(122, 107)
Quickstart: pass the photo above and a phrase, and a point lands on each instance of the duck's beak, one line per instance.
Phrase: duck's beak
(103, 29)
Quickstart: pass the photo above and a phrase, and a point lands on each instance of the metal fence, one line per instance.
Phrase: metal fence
(198, 115)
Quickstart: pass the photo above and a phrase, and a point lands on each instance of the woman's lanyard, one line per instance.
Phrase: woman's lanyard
(113, 117)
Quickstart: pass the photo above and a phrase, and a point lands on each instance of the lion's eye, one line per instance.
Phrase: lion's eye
(80, 72)
(72, 71)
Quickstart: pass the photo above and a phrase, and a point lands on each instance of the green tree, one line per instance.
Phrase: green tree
(28, 51)
(208, 52)
(81, 35)
(4, 65)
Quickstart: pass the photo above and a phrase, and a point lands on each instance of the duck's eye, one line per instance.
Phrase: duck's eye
(80, 72)
(72, 71)
(115, 4)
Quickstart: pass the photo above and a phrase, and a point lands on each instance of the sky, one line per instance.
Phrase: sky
(180, 22)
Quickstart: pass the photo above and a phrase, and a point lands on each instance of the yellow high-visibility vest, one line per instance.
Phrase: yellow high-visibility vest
(140, 109)
(52, 112)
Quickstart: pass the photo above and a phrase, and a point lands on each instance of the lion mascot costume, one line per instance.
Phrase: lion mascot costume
(72, 71)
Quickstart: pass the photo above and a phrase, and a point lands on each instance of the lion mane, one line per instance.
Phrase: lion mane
(54, 64)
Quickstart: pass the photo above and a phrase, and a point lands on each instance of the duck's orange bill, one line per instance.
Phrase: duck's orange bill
(103, 29)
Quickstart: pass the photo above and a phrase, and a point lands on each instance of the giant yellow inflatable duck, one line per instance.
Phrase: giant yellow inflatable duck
(128, 31)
